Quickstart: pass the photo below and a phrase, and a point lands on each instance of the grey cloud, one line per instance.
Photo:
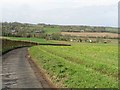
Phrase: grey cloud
(57, 14)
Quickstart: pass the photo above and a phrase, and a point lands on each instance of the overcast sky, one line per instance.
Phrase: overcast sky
(75, 12)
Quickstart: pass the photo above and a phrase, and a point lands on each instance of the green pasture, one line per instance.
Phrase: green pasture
(80, 65)
(50, 30)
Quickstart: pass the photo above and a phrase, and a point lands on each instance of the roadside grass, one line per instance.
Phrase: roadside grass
(80, 65)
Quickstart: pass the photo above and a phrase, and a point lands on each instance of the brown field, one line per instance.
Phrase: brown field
(91, 34)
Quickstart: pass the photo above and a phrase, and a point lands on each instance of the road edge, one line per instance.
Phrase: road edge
(39, 71)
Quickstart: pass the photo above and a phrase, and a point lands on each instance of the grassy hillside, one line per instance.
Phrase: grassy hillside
(36, 30)
(80, 65)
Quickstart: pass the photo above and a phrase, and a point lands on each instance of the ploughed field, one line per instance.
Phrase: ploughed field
(80, 65)
(91, 34)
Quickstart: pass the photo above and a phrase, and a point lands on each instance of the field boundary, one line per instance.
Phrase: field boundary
(24, 44)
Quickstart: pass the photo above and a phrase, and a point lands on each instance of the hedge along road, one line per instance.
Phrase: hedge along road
(17, 72)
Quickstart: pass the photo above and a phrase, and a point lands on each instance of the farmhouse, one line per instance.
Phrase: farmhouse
(82, 30)
(14, 32)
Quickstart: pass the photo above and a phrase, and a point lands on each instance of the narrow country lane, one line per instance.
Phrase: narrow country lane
(17, 71)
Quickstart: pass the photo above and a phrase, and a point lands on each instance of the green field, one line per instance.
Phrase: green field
(80, 65)
(50, 30)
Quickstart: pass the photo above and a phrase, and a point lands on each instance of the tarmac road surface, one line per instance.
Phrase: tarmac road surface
(17, 71)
